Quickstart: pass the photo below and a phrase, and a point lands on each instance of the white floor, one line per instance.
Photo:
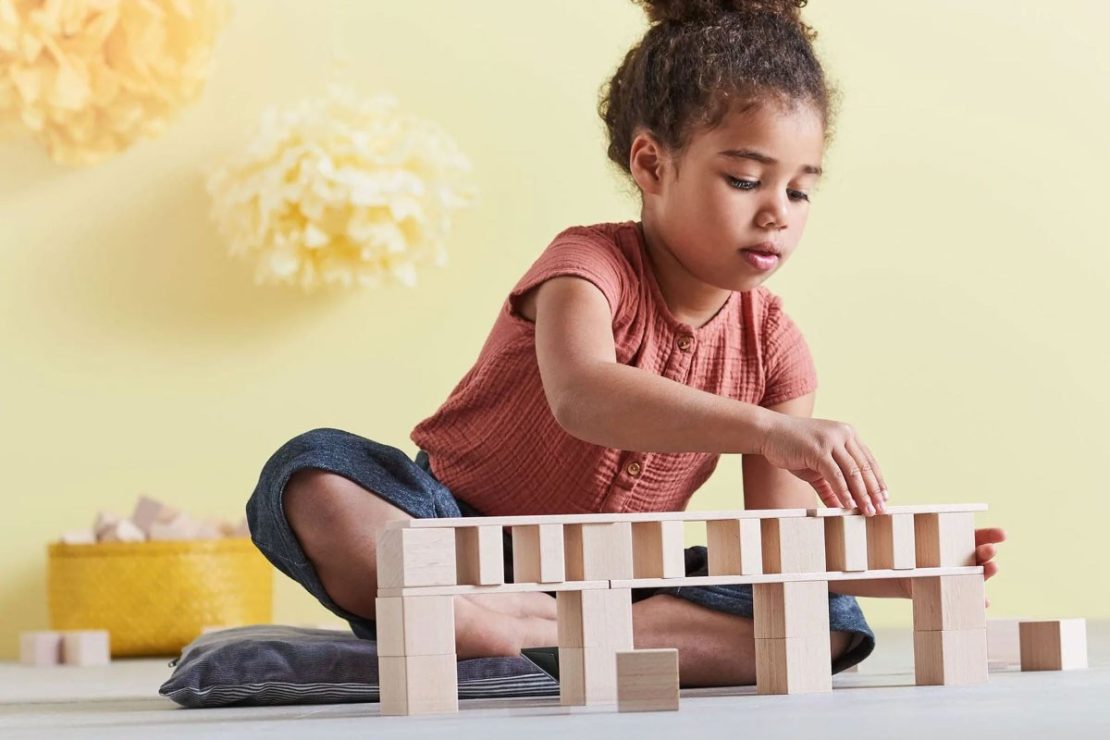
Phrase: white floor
(121, 701)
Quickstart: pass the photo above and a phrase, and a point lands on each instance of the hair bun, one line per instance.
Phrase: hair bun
(680, 11)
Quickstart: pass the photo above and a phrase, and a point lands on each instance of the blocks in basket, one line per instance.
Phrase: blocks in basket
(71, 647)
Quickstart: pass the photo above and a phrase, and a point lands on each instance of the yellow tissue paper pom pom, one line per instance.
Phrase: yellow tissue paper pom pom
(90, 77)
(341, 191)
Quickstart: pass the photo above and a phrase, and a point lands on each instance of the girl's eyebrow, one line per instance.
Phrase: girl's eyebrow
(809, 169)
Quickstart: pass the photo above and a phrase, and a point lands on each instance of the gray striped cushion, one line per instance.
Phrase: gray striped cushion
(276, 664)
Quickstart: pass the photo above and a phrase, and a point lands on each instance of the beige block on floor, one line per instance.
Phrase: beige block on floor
(416, 557)
(950, 657)
(945, 540)
(647, 680)
(949, 603)
(587, 676)
(846, 543)
(1053, 645)
(597, 552)
(658, 549)
(86, 647)
(735, 547)
(42, 648)
(890, 542)
(599, 617)
(791, 609)
(415, 625)
(538, 553)
(480, 555)
(793, 545)
(1004, 640)
(793, 665)
(418, 684)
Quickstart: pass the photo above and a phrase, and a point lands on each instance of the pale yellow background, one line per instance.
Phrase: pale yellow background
(952, 284)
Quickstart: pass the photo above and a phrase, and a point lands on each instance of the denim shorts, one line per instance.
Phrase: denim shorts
(410, 486)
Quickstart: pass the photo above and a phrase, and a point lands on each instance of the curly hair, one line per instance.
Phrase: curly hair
(701, 57)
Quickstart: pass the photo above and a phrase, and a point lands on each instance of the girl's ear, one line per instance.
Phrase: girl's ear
(647, 162)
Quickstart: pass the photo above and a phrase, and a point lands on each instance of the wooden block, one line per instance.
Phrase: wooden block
(209, 529)
(178, 527)
(86, 647)
(918, 509)
(598, 551)
(793, 545)
(595, 618)
(944, 540)
(1004, 640)
(104, 521)
(949, 603)
(418, 684)
(416, 557)
(950, 657)
(121, 531)
(415, 625)
(1053, 645)
(846, 543)
(480, 555)
(42, 648)
(647, 680)
(79, 537)
(793, 665)
(735, 546)
(890, 542)
(587, 676)
(564, 519)
(538, 553)
(658, 550)
(791, 609)
(148, 511)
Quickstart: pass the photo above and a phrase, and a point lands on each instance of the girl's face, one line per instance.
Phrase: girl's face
(745, 183)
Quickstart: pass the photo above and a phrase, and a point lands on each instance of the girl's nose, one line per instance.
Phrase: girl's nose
(773, 214)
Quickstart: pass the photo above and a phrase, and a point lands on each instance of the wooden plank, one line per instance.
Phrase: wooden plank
(784, 577)
(499, 589)
(918, 509)
(680, 516)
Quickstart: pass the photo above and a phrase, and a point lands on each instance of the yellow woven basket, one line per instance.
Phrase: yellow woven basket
(156, 597)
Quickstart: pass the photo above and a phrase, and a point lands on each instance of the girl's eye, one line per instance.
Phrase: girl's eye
(795, 195)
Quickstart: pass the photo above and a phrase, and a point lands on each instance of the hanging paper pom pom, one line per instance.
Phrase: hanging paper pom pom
(341, 190)
(90, 77)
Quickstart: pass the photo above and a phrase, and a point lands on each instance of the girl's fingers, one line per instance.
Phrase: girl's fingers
(989, 534)
(984, 553)
(875, 468)
(831, 472)
(874, 488)
(989, 569)
(854, 475)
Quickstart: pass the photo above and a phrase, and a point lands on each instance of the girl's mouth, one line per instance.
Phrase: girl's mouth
(762, 261)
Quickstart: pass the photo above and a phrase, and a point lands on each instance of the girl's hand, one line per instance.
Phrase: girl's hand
(985, 550)
(831, 457)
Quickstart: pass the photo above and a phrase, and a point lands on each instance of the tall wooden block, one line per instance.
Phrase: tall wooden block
(415, 625)
(480, 555)
(538, 553)
(949, 603)
(647, 680)
(793, 545)
(1053, 645)
(598, 617)
(944, 540)
(416, 557)
(735, 547)
(890, 542)
(950, 657)
(598, 552)
(1004, 640)
(43, 648)
(86, 647)
(793, 665)
(792, 609)
(846, 543)
(658, 549)
(418, 684)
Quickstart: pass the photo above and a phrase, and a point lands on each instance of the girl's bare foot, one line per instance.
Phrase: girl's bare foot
(483, 632)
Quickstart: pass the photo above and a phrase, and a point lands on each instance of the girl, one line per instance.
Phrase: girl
(626, 360)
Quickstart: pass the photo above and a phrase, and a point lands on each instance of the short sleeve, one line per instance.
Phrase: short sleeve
(788, 364)
(580, 253)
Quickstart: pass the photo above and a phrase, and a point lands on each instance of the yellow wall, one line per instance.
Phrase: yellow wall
(949, 285)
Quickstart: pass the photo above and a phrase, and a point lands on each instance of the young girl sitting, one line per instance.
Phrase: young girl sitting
(625, 361)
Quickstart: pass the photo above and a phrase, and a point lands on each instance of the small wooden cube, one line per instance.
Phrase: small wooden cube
(735, 547)
(596, 552)
(1053, 645)
(409, 556)
(945, 540)
(793, 545)
(647, 680)
(950, 657)
(791, 609)
(480, 555)
(595, 617)
(538, 553)
(793, 665)
(415, 625)
(418, 684)
(180, 526)
(949, 603)
(121, 531)
(846, 543)
(148, 511)
(43, 648)
(86, 647)
(658, 549)
(890, 542)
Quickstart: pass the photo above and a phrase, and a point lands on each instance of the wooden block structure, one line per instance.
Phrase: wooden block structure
(793, 545)
(479, 554)
(949, 630)
(598, 551)
(647, 680)
(890, 542)
(416, 557)
(594, 625)
(792, 642)
(846, 543)
(735, 546)
(69, 647)
(945, 539)
(658, 549)
(1053, 645)
(538, 554)
(416, 655)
